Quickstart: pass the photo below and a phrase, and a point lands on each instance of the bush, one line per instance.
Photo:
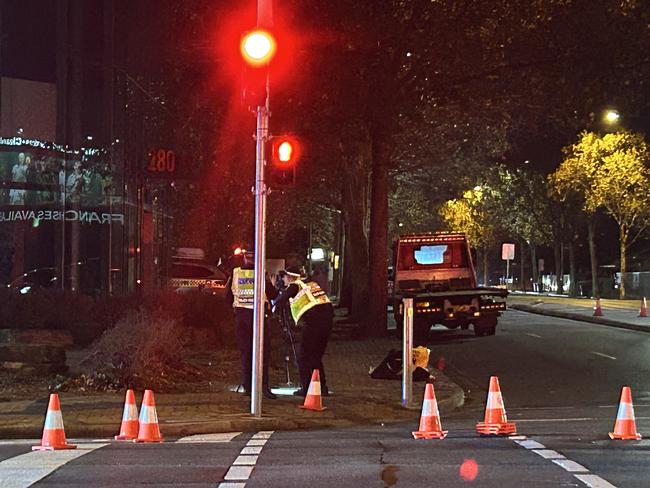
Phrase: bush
(86, 318)
(144, 349)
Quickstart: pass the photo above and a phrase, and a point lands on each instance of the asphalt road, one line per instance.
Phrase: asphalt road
(560, 380)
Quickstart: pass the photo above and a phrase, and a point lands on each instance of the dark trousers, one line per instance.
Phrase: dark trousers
(244, 333)
(316, 325)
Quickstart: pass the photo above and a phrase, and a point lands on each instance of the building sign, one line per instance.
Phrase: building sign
(84, 216)
(161, 162)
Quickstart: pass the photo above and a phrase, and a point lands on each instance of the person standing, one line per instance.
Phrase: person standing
(240, 291)
(312, 311)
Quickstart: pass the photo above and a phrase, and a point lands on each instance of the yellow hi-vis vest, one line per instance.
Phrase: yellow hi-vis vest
(309, 295)
(243, 288)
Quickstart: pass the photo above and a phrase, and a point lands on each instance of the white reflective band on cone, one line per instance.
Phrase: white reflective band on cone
(625, 411)
(314, 388)
(148, 415)
(494, 401)
(130, 412)
(430, 408)
(53, 420)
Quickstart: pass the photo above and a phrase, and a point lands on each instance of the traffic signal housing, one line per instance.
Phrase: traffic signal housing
(257, 48)
(285, 153)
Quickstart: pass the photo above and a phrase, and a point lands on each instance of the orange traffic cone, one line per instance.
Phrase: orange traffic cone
(313, 400)
(625, 425)
(643, 312)
(53, 432)
(598, 310)
(148, 431)
(496, 422)
(130, 425)
(430, 427)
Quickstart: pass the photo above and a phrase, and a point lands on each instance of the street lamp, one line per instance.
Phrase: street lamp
(611, 116)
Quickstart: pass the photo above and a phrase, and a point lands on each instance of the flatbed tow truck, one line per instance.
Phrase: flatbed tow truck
(437, 271)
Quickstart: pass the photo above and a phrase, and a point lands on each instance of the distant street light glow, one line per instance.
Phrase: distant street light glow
(258, 47)
(612, 116)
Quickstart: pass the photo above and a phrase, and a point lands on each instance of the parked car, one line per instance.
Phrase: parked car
(189, 273)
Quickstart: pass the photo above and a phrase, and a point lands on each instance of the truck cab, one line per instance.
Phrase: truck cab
(437, 271)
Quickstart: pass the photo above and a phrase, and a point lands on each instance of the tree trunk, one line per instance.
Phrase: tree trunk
(533, 263)
(375, 323)
(572, 270)
(522, 274)
(623, 246)
(591, 235)
(485, 266)
(561, 269)
(557, 256)
(355, 153)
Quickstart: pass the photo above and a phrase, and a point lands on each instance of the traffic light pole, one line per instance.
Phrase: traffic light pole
(261, 137)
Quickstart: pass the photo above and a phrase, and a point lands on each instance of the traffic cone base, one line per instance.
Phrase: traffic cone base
(313, 399)
(430, 426)
(643, 312)
(495, 421)
(149, 430)
(506, 428)
(53, 432)
(625, 425)
(130, 425)
(598, 310)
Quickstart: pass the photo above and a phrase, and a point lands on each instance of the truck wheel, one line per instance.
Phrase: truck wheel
(485, 326)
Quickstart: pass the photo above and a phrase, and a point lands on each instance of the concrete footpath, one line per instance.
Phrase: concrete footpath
(356, 399)
(623, 314)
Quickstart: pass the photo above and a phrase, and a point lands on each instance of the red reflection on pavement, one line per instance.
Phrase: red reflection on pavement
(469, 470)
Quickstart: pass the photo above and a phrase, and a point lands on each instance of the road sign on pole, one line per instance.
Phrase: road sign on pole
(507, 254)
(507, 251)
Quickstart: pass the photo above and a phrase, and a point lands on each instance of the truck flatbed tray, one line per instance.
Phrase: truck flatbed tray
(474, 291)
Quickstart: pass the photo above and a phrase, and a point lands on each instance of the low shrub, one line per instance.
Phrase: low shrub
(144, 349)
(86, 318)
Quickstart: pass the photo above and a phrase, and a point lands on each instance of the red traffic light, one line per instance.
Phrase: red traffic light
(285, 150)
(258, 47)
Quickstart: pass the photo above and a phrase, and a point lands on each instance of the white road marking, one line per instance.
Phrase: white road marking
(548, 453)
(251, 450)
(245, 461)
(591, 480)
(594, 481)
(242, 467)
(575, 419)
(256, 442)
(530, 444)
(238, 473)
(223, 437)
(25, 470)
(533, 335)
(517, 437)
(603, 355)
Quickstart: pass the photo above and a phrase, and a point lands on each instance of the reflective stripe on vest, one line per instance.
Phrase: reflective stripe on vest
(243, 288)
(309, 295)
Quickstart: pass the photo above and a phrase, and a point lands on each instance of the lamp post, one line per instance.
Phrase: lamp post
(258, 48)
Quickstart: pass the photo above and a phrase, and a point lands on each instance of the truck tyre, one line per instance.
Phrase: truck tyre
(485, 326)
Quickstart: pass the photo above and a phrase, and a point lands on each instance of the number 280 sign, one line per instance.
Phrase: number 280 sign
(161, 162)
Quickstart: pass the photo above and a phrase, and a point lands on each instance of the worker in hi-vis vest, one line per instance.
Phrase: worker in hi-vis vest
(240, 290)
(312, 311)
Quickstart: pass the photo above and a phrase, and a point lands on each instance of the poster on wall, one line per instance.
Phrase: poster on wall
(43, 180)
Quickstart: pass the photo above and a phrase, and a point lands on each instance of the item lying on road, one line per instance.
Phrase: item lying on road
(625, 425)
(53, 432)
(496, 421)
(390, 367)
